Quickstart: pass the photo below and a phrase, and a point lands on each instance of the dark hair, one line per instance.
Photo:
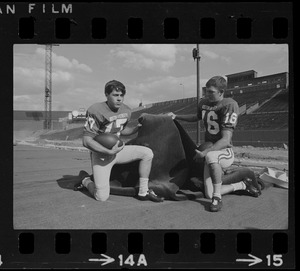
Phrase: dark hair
(114, 85)
(218, 82)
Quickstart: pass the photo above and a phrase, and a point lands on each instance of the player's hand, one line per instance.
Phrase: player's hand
(198, 156)
(137, 128)
(172, 115)
(115, 149)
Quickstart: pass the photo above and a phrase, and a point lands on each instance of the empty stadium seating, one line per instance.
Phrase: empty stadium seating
(251, 97)
(278, 103)
(269, 120)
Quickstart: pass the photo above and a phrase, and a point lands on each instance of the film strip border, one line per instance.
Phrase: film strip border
(156, 249)
(143, 23)
(148, 22)
(135, 28)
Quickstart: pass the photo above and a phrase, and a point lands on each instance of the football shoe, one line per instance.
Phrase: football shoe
(79, 186)
(252, 187)
(151, 196)
(216, 207)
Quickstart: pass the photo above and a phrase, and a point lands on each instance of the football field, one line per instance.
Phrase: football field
(43, 198)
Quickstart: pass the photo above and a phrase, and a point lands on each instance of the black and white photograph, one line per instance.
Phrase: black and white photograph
(147, 135)
(151, 136)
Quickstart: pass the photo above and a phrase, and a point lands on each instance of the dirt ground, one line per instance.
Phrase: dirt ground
(267, 153)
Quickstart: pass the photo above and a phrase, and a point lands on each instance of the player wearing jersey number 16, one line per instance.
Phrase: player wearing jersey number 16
(112, 117)
(219, 116)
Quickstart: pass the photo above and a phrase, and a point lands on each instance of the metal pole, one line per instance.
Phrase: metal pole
(48, 70)
(198, 91)
(48, 86)
(182, 90)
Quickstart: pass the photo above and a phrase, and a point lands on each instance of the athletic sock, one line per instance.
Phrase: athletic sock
(238, 186)
(86, 181)
(143, 186)
(217, 188)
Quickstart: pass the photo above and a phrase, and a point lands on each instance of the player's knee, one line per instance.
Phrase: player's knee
(101, 196)
(210, 158)
(148, 154)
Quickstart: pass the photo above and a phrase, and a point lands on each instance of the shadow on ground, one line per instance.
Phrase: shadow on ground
(68, 182)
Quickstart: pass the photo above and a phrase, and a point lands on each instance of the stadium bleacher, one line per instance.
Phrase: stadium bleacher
(275, 100)
(279, 103)
(177, 106)
(268, 121)
(251, 97)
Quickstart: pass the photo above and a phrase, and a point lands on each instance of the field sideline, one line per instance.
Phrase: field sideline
(244, 155)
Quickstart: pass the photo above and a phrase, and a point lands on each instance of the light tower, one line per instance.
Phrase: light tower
(48, 87)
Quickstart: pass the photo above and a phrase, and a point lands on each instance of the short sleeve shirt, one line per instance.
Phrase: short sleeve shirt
(101, 119)
(218, 116)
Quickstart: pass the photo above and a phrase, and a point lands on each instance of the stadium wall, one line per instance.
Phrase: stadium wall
(35, 125)
(262, 138)
(248, 78)
(38, 115)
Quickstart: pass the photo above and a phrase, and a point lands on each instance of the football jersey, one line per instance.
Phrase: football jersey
(218, 116)
(101, 119)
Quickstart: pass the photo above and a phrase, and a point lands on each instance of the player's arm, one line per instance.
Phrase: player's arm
(93, 145)
(187, 118)
(222, 143)
(91, 129)
(130, 130)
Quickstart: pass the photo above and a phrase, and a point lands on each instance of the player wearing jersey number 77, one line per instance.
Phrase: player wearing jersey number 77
(219, 116)
(112, 116)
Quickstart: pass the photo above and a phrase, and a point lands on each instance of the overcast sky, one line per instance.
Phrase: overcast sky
(150, 72)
